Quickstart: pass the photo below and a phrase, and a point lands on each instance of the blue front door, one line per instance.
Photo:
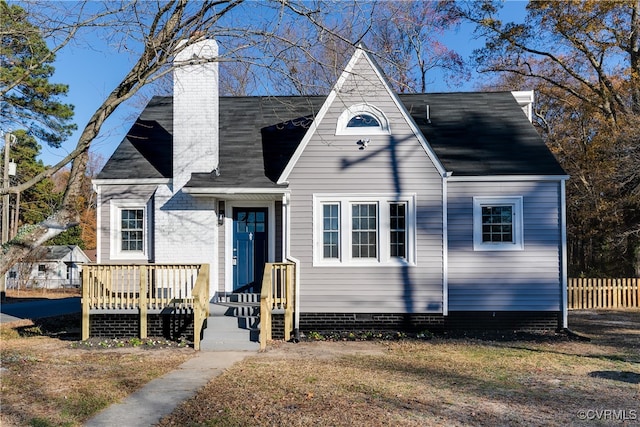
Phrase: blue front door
(249, 246)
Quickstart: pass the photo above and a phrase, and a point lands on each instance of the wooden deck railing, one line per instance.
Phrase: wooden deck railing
(277, 294)
(145, 287)
(585, 293)
(200, 304)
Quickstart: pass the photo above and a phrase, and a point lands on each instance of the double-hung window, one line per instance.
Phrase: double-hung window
(128, 230)
(364, 230)
(497, 224)
(330, 231)
(361, 230)
(132, 230)
(398, 230)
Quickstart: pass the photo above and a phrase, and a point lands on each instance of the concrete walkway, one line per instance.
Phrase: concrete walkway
(161, 396)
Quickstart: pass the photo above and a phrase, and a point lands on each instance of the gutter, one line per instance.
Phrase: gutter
(445, 244)
(232, 190)
(131, 181)
(506, 178)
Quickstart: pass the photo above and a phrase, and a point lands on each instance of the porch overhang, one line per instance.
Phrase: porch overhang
(230, 193)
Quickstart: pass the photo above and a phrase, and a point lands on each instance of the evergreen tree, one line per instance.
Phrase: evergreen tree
(39, 201)
(27, 99)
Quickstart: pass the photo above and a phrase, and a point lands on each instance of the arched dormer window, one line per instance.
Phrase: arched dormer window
(362, 119)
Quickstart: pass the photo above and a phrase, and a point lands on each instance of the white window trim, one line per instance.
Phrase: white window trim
(354, 110)
(345, 202)
(116, 206)
(518, 226)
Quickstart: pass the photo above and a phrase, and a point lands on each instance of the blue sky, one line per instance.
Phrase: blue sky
(92, 73)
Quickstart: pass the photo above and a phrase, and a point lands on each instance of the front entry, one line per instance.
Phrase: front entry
(249, 247)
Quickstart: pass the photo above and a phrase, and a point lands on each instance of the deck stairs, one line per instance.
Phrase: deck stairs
(233, 324)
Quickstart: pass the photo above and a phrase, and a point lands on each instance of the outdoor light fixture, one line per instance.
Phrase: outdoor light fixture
(363, 143)
(220, 212)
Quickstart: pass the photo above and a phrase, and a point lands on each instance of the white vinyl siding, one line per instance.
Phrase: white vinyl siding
(520, 280)
(394, 165)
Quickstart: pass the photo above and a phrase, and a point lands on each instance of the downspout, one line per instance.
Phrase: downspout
(286, 216)
(445, 244)
(563, 237)
(99, 207)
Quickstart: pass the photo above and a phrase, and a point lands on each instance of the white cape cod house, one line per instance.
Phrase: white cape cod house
(49, 267)
(421, 210)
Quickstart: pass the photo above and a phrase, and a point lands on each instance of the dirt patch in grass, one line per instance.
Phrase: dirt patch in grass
(443, 381)
(48, 378)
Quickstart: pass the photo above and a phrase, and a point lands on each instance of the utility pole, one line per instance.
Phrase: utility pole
(5, 186)
(8, 139)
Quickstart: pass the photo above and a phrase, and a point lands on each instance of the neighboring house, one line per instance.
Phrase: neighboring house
(420, 209)
(91, 254)
(49, 267)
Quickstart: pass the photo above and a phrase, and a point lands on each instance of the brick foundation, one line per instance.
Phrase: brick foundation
(173, 326)
(180, 326)
(344, 322)
(524, 321)
(454, 321)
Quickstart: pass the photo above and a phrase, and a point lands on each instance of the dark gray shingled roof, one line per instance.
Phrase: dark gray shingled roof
(481, 133)
(258, 136)
(473, 134)
(146, 150)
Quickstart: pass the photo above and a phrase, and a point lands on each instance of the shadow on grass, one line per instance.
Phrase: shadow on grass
(553, 394)
(623, 376)
(66, 327)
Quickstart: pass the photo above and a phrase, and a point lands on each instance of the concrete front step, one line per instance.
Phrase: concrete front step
(231, 326)
(241, 309)
(243, 297)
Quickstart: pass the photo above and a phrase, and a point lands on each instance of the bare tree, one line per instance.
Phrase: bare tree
(583, 60)
(157, 30)
(405, 36)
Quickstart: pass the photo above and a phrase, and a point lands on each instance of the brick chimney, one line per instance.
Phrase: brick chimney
(195, 111)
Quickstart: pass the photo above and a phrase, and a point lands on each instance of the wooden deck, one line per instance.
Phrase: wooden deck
(155, 288)
(145, 288)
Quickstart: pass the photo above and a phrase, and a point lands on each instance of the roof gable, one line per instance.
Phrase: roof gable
(355, 81)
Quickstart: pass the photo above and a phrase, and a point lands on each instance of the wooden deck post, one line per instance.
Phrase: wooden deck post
(266, 305)
(85, 305)
(288, 311)
(200, 303)
(143, 302)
